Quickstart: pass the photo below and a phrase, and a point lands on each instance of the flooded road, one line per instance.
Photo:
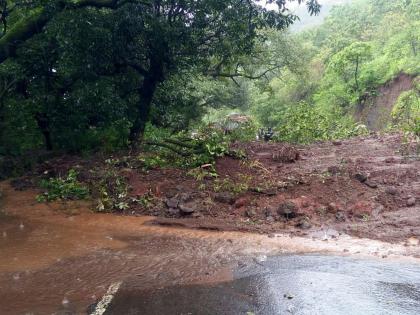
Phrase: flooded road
(61, 259)
(290, 284)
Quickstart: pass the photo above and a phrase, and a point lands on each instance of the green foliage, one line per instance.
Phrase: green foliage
(67, 188)
(89, 74)
(360, 46)
(235, 186)
(406, 111)
(111, 191)
(304, 123)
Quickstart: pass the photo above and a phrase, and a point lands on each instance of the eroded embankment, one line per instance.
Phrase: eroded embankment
(375, 111)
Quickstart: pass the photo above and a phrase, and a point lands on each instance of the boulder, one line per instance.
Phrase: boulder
(287, 209)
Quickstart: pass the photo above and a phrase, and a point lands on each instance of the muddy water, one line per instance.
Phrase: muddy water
(60, 258)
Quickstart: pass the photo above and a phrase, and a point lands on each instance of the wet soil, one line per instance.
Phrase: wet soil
(60, 257)
(366, 187)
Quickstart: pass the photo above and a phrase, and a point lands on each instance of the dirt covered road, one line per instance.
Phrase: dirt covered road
(365, 187)
(61, 257)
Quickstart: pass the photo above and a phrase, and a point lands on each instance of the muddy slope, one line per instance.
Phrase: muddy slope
(375, 111)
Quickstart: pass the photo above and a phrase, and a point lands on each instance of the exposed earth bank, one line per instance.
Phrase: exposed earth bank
(366, 187)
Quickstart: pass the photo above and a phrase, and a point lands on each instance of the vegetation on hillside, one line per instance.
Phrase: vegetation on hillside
(104, 75)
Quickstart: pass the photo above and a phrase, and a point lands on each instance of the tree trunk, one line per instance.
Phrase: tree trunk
(44, 126)
(147, 91)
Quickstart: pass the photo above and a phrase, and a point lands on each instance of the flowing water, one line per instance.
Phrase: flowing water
(61, 258)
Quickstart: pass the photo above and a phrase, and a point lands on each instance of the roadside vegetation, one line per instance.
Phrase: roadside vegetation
(115, 81)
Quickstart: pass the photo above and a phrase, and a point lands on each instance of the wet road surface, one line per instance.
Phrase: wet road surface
(60, 258)
(303, 284)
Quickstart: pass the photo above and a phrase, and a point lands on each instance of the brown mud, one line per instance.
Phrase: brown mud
(61, 257)
(366, 187)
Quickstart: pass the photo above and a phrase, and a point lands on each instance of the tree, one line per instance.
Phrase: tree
(347, 62)
(156, 38)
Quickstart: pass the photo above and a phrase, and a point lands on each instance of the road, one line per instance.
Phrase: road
(289, 284)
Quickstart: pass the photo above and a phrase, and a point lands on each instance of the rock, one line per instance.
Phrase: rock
(340, 216)
(363, 209)
(270, 211)
(250, 213)
(241, 202)
(304, 224)
(185, 197)
(172, 203)
(390, 160)
(333, 170)
(333, 207)
(371, 184)
(360, 177)
(270, 219)
(288, 296)
(337, 142)
(287, 209)
(412, 241)
(391, 190)
(186, 209)
(411, 202)
(224, 197)
(173, 211)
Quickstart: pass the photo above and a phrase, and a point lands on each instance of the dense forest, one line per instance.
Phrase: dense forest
(90, 75)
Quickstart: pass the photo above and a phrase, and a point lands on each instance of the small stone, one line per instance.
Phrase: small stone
(241, 202)
(304, 224)
(173, 211)
(270, 219)
(250, 213)
(360, 177)
(413, 241)
(333, 170)
(287, 209)
(337, 142)
(185, 197)
(288, 296)
(333, 207)
(340, 216)
(186, 209)
(391, 190)
(172, 203)
(271, 235)
(390, 160)
(224, 198)
(411, 202)
(371, 184)
(269, 211)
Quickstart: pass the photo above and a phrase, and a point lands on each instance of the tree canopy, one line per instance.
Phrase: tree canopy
(78, 67)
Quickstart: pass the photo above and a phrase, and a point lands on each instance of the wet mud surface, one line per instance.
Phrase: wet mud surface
(60, 258)
(56, 263)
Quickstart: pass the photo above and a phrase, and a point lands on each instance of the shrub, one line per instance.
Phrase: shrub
(67, 188)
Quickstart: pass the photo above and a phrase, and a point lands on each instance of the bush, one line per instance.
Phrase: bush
(67, 188)
(406, 111)
(304, 123)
